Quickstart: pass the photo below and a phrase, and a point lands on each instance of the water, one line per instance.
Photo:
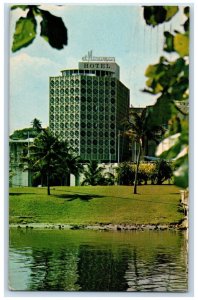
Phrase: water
(69, 260)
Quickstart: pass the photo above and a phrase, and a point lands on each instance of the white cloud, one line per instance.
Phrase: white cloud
(29, 83)
(27, 60)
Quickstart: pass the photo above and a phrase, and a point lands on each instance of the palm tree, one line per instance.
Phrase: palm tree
(43, 153)
(50, 157)
(139, 128)
(70, 163)
(93, 174)
(36, 124)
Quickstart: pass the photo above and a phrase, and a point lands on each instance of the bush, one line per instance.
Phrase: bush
(145, 172)
(107, 179)
(153, 172)
(164, 171)
(126, 173)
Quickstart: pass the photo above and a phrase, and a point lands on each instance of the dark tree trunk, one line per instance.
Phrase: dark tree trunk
(137, 168)
(42, 180)
(48, 184)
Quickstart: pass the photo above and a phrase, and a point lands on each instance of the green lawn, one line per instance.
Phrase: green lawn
(93, 205)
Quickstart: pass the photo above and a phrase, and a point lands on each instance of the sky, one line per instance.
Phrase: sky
(108, 30)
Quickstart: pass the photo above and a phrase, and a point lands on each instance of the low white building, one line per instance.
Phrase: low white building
(17, 150)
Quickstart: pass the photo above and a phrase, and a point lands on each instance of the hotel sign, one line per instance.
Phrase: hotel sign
(89, 57)
(100, 66)
(94, 65)
(90, 62)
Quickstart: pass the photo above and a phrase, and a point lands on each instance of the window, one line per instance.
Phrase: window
(83, 133)
(112, 83)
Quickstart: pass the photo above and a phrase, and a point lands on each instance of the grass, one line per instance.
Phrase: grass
(96, 205)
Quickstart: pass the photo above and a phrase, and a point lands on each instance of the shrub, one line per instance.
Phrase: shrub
(107, 179)
(164, 171)
(154, 172)
(126, 173)
(145, 172)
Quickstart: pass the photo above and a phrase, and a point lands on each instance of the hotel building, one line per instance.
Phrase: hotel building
(87, 108)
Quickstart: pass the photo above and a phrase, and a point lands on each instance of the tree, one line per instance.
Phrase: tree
(169, 79)
(67, 164)
(52, 27)
(30, 132)
(36, 125)
(49, 157)
(11, 175)
(139, 127)
(23, 134)
(93, 174)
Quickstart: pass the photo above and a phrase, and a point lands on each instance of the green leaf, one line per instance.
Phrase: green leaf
(157, 70)
(53, 30)
(181, 44)
(177, 66)
(170, 11)
(157, 88)
(179, 88)
(25, 33)
(23, 7)
(149, 82)
(175, 148)
(168, 76)
(181, 174)
(187, 25)
(168, 45)
(161, 112)
(151, 71)
(187, 11)
(154, 85)
(154, 15)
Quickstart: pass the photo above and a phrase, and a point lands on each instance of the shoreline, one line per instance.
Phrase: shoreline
(103, 227)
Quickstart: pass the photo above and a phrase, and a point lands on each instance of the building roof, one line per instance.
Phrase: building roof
(30, 140)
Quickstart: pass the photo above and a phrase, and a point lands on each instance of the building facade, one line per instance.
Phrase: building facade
(18, 175)
(87, 109)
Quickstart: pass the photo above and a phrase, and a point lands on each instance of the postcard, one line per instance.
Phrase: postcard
(98, 148)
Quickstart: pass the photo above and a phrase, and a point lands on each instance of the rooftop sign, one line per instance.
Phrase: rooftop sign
(90, 57)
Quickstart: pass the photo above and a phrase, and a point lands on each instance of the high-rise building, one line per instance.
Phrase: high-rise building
(87, 108)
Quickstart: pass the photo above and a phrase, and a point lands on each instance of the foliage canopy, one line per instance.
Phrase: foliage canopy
(169, 80)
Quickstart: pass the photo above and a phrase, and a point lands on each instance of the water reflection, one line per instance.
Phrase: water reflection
(102, 269)
(45, 260)
(54, 270)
